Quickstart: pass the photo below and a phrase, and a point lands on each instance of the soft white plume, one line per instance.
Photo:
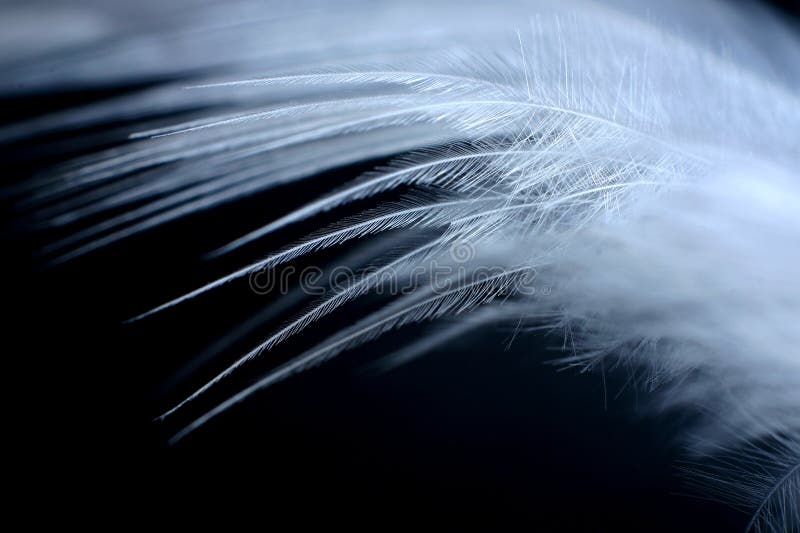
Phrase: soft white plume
(643, 162)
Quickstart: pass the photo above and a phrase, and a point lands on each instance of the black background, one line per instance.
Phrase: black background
(473, 433)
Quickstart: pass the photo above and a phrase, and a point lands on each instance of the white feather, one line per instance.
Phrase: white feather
(646, 170)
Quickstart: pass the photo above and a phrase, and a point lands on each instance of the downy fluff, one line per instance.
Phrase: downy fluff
(640, 162)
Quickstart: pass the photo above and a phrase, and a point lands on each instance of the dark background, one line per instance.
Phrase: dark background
(473, 433)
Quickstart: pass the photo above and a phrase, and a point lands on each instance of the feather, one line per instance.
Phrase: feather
(646, 173)
(759, 478)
